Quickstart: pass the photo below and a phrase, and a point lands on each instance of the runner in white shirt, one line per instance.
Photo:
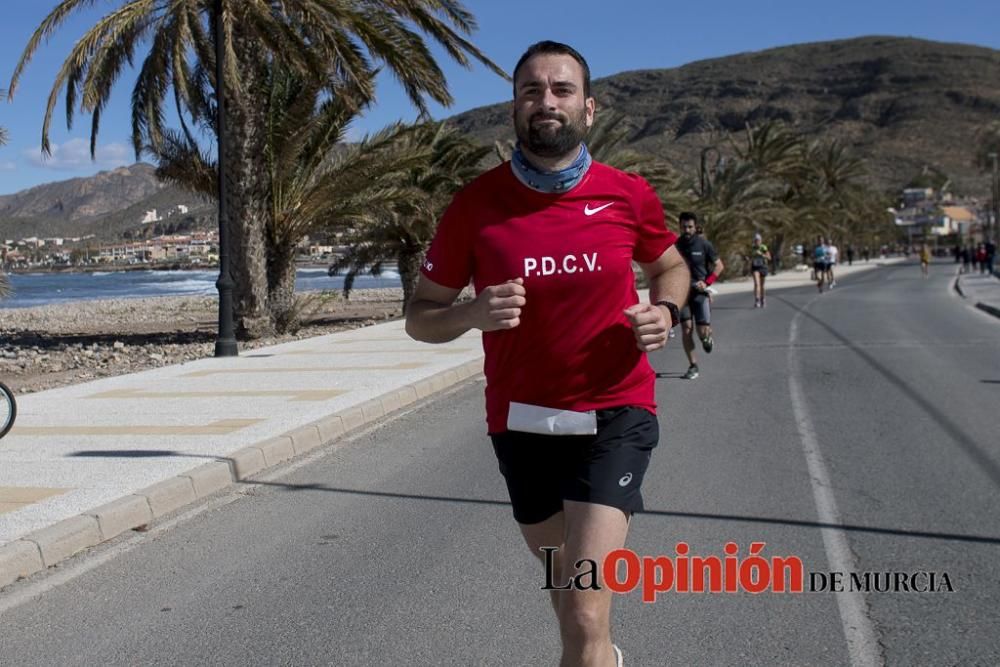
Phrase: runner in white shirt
(831, 260)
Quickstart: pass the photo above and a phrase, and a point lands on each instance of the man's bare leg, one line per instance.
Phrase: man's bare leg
(548, 533)
(688, 338)
(584, 530)
(592, 531)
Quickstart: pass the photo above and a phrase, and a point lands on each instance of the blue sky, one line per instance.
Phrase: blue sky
(613, 36)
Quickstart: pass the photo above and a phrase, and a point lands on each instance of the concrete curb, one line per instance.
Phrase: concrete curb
(47, 547)
(987, 308)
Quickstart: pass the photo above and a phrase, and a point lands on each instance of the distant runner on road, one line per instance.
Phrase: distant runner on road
(832, 256)
(548, 240)
(819, 262)
(705, 266)
(760, 256)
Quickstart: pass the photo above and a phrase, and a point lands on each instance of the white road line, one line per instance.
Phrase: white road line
(862, 645)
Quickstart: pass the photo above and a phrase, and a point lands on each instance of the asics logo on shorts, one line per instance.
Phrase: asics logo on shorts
(625, 480)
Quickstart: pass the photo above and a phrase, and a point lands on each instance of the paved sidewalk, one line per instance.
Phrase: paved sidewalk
(981, 290)
(86, 463)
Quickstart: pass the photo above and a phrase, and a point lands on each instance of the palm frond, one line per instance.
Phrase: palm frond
(434, 161)
(182, 162)
(3, 130)
(335, 43)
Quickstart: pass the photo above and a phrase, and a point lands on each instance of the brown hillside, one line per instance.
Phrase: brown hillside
(901, 103)
(83, 198)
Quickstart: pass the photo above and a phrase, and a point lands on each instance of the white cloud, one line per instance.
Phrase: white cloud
(75, 154)
(7, 166)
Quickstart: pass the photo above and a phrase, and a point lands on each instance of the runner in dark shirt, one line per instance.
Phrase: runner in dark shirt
(705, 267)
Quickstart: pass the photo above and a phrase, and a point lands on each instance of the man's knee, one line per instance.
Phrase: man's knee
(583, 616)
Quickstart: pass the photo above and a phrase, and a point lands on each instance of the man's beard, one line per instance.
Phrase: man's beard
(546, 140)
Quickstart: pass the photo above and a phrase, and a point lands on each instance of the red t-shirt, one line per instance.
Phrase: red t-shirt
(574, 348)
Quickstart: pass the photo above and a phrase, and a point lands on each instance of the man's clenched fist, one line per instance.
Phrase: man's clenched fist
(498, 307)
(649, 324)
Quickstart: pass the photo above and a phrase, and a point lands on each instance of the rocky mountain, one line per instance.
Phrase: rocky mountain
(901, 103)
(83, 198)
(106, 204)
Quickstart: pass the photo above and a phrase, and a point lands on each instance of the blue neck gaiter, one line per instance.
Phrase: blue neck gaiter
(552, 182)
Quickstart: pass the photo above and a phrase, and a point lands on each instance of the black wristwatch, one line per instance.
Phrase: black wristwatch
(675, 313)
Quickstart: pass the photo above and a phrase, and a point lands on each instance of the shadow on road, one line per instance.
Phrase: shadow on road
(738, 518)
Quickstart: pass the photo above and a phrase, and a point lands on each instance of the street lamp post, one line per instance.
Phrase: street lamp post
(225, 342)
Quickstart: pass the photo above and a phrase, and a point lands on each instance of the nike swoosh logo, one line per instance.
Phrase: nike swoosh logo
(591, 211)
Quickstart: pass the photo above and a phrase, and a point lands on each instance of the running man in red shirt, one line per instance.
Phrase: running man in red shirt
(548, 241)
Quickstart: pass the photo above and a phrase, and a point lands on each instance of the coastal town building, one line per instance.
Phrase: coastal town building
(197, 248)
(926, 214)
(152, 216)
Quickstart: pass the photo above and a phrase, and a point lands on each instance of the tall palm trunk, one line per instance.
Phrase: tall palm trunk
(778, 245)
(281, 284)
(408, 262)
(248, 191)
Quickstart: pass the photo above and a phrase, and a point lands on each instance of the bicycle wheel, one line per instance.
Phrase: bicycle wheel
(8, 409)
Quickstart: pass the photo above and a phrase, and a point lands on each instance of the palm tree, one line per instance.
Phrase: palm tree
(836, 168)
(317, 181)
(425, 191)
(827, 196)
(773, 149)
(333, 43)
(776, 154)
(795, 188)
(737, 201)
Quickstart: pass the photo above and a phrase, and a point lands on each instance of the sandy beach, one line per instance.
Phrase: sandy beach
(63, 344)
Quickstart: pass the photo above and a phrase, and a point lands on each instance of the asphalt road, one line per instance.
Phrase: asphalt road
(856, 430)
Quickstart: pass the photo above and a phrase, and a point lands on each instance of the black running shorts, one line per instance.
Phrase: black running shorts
(606, 469)
(698, 306)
